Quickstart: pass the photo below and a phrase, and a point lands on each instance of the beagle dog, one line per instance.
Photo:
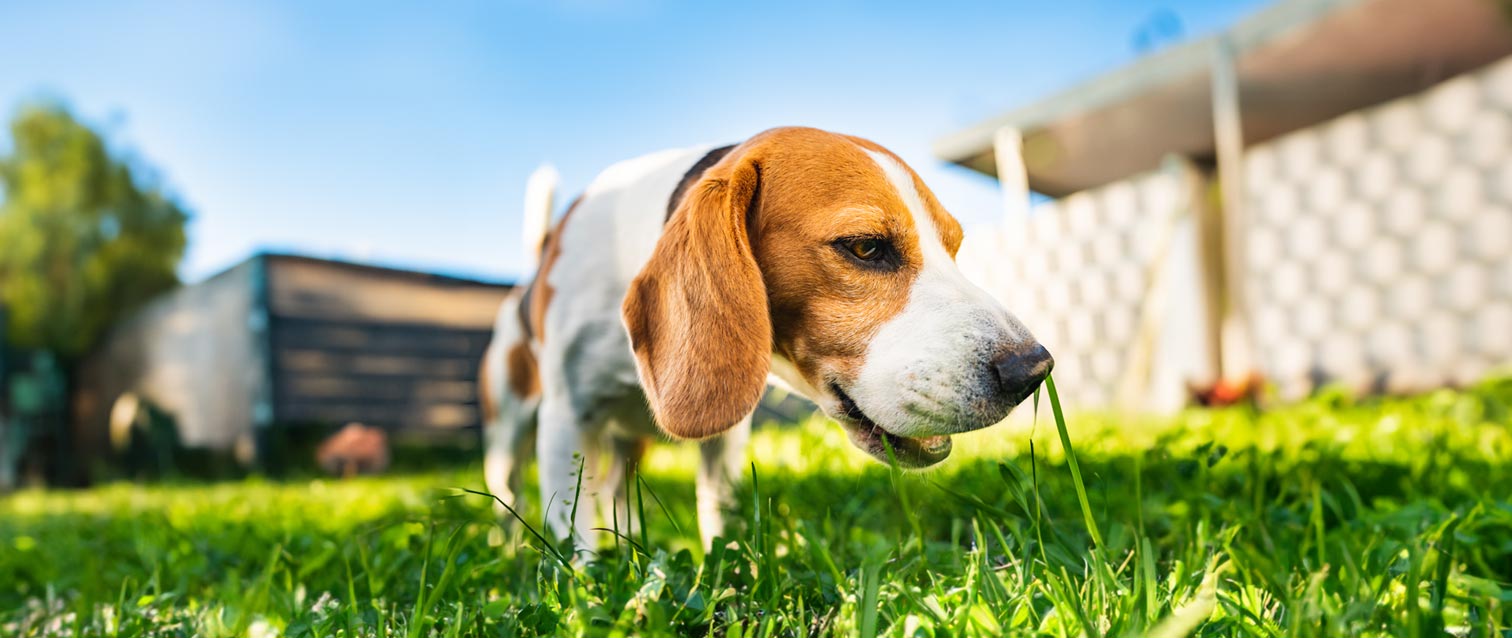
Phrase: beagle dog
(681, 282)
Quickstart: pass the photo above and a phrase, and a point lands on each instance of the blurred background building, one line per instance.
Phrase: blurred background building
(1320, 194)
(282, 346)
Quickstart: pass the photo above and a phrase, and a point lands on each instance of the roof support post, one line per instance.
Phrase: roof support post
(1235, 358)
(255, 447)
(1013, 179)
(1165, 359)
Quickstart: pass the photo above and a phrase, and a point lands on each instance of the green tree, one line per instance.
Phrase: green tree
(85, 236)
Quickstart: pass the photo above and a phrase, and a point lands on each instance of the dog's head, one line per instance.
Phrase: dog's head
(824, 259)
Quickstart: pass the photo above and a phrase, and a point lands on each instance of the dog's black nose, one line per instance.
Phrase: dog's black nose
(1020, 370)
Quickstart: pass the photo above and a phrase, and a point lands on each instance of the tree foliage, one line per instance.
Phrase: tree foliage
(85, 236)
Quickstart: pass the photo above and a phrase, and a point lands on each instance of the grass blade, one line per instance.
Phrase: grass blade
(1076, 476)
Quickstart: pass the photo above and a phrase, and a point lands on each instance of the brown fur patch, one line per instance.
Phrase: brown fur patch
(540, 293)
(520, 368)
(697, 315)
(486, 404)
(823, 187)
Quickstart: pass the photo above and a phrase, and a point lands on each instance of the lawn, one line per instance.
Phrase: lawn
(1333, 517)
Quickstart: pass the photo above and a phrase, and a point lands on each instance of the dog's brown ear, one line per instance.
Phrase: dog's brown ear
(697, 313)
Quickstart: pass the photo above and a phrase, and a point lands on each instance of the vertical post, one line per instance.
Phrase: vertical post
(1210, 253)
(1013, 178)
(1161, 356)
(1235, 356)
(259, 447)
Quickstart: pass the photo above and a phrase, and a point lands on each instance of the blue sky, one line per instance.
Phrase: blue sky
(401, 134)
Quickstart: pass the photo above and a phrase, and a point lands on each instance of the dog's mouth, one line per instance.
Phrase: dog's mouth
(885, 446)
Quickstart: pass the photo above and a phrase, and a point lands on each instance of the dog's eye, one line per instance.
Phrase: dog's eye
(872, 253)
(867, 249)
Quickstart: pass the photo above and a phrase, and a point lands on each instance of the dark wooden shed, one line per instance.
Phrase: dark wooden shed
(283, 341)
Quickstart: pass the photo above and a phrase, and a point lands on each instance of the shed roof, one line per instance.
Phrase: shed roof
(389, 272)
(1299, 62)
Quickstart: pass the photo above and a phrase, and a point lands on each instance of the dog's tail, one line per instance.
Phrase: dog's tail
(540, 196)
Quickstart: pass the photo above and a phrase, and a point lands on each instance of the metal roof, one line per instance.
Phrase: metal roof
(1299, 62)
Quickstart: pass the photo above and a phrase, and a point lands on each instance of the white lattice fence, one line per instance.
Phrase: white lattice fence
(1078, 275)
(1380, 243)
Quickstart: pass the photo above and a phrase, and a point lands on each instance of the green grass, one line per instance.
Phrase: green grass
(1329, 518)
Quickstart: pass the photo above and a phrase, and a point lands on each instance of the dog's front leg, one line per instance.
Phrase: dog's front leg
(721, 463)
(508, 440)
(618, 508)
(566, 446)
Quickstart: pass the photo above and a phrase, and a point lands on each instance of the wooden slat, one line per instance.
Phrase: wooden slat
(394, 375)
(302, 386)
(395, 416)
(303, 288)
(358, 336)
(323, 362)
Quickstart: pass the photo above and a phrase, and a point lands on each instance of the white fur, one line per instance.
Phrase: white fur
(933, 357)
(540, 197)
